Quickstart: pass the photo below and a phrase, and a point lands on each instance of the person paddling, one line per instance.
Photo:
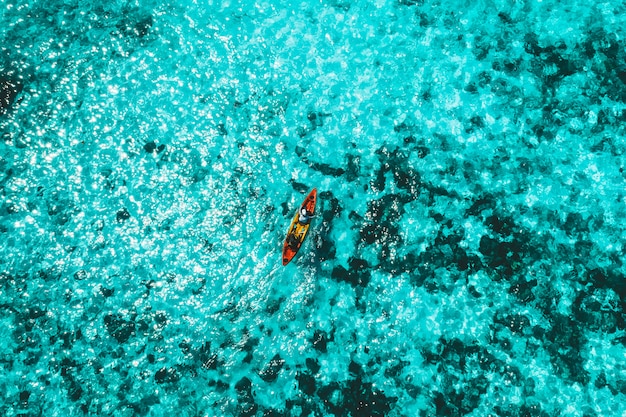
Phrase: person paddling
(304, 217)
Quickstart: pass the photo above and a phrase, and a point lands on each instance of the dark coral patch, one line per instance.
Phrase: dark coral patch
(271, 370)
(599, 311)
(329, 209)
(357, 275)
(326, 169)
(332, 207)
(306, 383)
(463, 394)
(362, 399)
(353, 170)
(500, 224)
(522, 289)
(503, 257)
(565, 342)
(122, 215)
(9, 91)
(610, 279)
(299, 187)
(119, 328)
(355, 398)
(517, 323)
(136, 28)
(319, 341)
(205, 357)
(246, 406)
(166, 375)
(385, 234)
(312, 365)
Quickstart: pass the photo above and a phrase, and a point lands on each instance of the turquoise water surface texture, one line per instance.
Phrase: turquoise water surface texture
(467, 256)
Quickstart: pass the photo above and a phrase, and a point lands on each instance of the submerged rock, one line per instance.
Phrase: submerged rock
(9, 90)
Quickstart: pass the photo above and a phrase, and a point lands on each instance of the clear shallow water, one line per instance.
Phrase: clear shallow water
(467, 258)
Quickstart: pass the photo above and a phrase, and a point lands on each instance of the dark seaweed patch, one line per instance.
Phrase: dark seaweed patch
(80, 275)
(313, 365)
(471, 88)
(395, 162)
(505, 18)
(517, 323)
(353, 170)
(510, 67)
(166, 375)
(319, 341)
(122, 215)
(475, 123)
(273, 305)
(24, 396)
(472, 290)
(119, 328)
(330, 209)
(407, 179)
(327, 169)
(67, 368)
(137, 28)
(411, 2)
(395, 370)
(389, 208)
(355, 398)
(527, 410)
(484, 203)
(150, 147)
(597, 314)
(9, 90)
(142, 407)
(606, 144)
(361, 399)
(306, 383)
(315, 120)
(300, 187)
(357, 275)
(246, 406)
(271, 412)
(243, 387)
(502, 87)
(205, 357)
(378, 183)
(522, 289)
(69, 337)
(271, 370)
(501, 256)
(550, 63)
(324, 247)
(385, 234)
(248, 346)
(461, 395)
(574, 223)
(142, 26)
(482, 46)
(441, 406)
(601, 278)
(502, 225)
(564, 342)
(599, 41)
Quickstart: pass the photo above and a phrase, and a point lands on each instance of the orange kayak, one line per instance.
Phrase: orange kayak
(298, 229)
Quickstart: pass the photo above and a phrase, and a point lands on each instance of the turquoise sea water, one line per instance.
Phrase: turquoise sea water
(467, 257)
